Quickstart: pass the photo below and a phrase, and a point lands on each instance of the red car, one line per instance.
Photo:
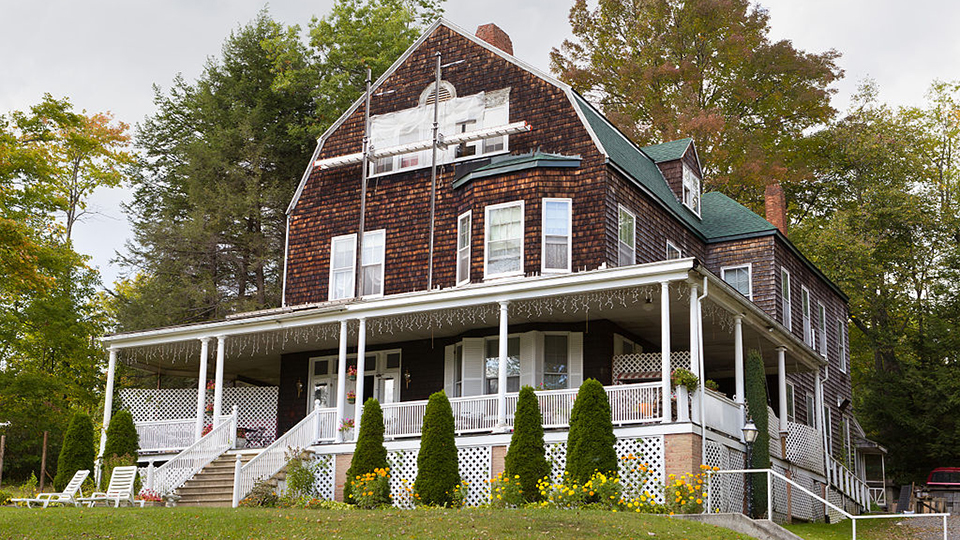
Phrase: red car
(948, 477)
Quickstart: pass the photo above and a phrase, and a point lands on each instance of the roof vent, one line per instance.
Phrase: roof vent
(429, 94)
(493, 35)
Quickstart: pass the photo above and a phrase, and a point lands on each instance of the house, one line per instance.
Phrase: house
(549, 250)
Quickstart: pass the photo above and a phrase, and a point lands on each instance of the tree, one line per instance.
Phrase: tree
(666, 69)
(31, 401)
(755, 392)
(590, 442)
(526, 456)
(122, 438)
(77, 452)
(370, 454)
(438, 473)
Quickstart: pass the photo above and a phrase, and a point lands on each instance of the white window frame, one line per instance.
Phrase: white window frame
(383, 259)
(464, 251)
(828, 428)
(673, 249)
(378, 369)
(749, 267)
(519, 376)
(822, 328)
(352, 238)
(543, 242)
(791, 403)
(841, 344)
(810, 402)
(691, 189)
(806, 315)
(543, 364)
(621, 209)
(486, 239)
(786, 300)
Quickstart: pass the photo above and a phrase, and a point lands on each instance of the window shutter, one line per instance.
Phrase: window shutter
(528, 358)
(473, 360)
(448, 371)
(576, 359)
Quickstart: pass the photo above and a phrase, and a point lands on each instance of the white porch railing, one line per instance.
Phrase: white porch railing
(166, 435)
(319, 425)
(722, 414)
(848, 483)
(172, 474)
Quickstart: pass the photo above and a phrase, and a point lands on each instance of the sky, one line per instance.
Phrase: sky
(106, 55)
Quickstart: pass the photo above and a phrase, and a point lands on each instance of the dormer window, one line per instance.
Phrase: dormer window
(691, 189)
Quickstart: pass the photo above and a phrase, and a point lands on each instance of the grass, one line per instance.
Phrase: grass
(224, 523)
(870, 529)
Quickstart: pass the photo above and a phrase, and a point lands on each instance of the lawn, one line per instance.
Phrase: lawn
(299, 523)
(871, 529)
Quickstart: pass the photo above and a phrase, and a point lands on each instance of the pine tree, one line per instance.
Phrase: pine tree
(438, 473)
(122, 438)
(526, 456)
(755, 392)
(77, 452)
(590, 443)
(370, 454)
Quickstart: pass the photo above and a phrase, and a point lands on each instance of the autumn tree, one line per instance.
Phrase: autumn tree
(666, 69)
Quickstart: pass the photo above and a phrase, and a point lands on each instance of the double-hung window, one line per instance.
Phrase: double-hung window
(503, 250)
(556, 362)
(691, 190)
(463, 247)
(491, 371)
(557, 218)
(785, 306)
(343, 257)
(739, 278)
(791, 403)
(811, 410)
(841, 349)
(627, 245)
(372, 262)
(805, 310)
(822, 329)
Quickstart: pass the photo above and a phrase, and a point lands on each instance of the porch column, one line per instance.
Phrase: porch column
(361, 369)
(819, 420)
(202, 387)
(218, 381)
(695, 350)
(107, 404)
(738, 363)
(502, 367)
(665, 350)
(782, 387)
(341, 380)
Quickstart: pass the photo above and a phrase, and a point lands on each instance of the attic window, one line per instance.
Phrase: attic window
(429, 94)
(691, 189)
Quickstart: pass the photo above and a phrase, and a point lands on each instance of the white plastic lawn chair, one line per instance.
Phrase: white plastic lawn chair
(119, 491)
(67, 496)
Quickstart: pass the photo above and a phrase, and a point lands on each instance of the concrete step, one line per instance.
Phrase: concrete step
(764, 529)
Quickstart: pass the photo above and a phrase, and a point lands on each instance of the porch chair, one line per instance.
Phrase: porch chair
(67, 496)
(120, 489)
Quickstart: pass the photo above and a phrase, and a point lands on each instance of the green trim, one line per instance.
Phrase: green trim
(508, 164)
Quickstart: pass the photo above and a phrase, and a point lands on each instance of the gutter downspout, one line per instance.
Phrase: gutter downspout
(703, 375)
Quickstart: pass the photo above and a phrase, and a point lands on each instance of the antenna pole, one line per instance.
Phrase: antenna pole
(363, 187)
(433, 173)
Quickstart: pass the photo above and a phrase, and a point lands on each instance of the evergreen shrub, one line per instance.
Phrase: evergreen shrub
(590, 443)
(370, 454)
(526, 457)
(77, 452)
(122, 438)
(438, 476)
(755, 393)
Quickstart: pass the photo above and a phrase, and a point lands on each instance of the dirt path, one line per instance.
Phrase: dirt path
(932, 528)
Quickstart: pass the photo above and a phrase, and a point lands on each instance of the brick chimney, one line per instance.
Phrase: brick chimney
(493, 35)
(775, 206)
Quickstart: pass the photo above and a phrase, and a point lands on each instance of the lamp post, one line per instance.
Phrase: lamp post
(749, 436)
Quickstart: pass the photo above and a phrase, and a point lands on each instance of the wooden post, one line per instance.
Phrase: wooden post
(3, 443)
(43, 460)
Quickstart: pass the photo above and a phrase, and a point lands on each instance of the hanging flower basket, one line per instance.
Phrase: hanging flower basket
(352, 373)
(351, 397)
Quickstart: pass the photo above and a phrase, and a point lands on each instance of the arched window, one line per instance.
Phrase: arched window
(447, 92)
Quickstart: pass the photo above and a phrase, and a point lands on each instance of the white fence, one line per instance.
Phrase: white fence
(166, 435)
(844, 480)
(172, 474)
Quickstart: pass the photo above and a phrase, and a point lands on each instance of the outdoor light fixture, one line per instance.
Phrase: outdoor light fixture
(407, 378)
(299, 387)
(750, 433)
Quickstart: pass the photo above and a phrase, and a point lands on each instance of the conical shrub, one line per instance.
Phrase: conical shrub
(755, 392)
(77, 452)
(526, 457)
(370, 454)
(438, 475)
(590, 443)
(122, 438)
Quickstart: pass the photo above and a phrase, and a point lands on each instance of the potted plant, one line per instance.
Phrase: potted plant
(151, 497)
(351, 397)
(346, 428)
(352, 373)
(685, 378)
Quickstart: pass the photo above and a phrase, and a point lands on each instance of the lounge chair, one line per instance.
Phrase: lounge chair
(67, 496)
(119, 491)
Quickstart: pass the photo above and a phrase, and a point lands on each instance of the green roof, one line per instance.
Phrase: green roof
(668, 151)
(724, 217)
(510, 163)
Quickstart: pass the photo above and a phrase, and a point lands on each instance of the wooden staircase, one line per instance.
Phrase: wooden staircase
(213, 486)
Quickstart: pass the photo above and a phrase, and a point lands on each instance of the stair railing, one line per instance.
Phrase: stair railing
(185, 465)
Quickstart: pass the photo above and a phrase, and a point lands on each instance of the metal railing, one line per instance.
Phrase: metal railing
(166, 435)
(172, 474)
(771, 474)
(316, 426)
